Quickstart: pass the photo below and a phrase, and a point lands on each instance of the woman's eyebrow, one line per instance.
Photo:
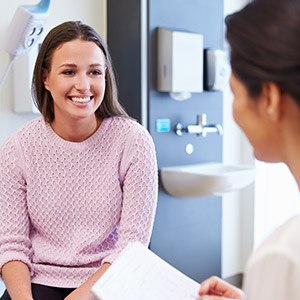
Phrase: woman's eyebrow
(71, 65)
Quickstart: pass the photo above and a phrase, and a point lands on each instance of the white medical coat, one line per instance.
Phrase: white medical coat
(273, 271)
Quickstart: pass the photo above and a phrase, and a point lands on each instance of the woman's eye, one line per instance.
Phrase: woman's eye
(68, 72)
(96, 72)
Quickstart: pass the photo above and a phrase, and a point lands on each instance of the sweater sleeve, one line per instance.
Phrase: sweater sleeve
(14, 220)
(140, 186)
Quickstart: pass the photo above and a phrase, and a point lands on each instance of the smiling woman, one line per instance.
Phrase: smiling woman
(77, 88)
(77, 184)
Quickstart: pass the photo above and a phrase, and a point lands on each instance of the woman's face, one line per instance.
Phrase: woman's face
(252, 117)
(76, 80)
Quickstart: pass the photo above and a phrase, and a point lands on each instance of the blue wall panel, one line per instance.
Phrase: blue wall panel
(187, 232)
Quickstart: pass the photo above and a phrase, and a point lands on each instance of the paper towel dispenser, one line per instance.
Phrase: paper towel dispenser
(180, 63)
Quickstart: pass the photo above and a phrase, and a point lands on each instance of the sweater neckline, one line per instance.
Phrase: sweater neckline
(57, 140)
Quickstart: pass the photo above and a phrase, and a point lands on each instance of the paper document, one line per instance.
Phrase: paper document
(139, 274)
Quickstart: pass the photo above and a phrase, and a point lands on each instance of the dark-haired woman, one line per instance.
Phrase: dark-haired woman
(265, 60)
(77, 184)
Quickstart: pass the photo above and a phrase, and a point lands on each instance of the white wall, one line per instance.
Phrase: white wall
(92, 12)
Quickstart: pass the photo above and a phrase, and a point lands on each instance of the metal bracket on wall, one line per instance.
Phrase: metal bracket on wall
(201, 128)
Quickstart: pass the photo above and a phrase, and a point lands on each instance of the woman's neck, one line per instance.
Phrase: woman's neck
(76, 130)
(290, 143)
(294, 166)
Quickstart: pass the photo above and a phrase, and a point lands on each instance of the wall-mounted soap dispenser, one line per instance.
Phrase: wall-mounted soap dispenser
(216, 70)
(180, 63)
(22, 37)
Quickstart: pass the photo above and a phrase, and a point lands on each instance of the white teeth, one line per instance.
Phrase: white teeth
(81, 100)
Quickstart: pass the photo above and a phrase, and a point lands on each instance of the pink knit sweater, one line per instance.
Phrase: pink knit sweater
(67, 207)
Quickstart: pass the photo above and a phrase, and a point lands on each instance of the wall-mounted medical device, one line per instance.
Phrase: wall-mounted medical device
(24, 34)
(216, 70)
(180, 63)
(22, 72)
(26, 27)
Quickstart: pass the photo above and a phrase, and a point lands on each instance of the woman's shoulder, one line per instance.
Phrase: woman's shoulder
(273, 270)
(29, 129)
(128, 124)
(34, 124)
(285, 234)
(131, 133)
(283, 243)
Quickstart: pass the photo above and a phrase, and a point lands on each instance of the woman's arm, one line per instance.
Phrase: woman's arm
(139, 178)
(83, 292)
(16, 276)
(15, 246)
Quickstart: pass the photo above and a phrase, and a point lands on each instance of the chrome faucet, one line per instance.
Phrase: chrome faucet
(201, 128)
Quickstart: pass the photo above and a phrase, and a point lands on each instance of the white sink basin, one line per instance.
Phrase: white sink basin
(205, 179)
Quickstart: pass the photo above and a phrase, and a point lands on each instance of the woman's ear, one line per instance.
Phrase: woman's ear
(45, 79)
(274, 100)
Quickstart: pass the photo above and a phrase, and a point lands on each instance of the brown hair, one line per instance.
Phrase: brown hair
(265, 45)
(60, 34)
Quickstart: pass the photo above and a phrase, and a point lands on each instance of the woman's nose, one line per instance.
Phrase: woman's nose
(82, 82)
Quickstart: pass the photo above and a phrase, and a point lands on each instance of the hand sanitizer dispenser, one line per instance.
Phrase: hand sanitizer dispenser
(216, 70)
(180, 63)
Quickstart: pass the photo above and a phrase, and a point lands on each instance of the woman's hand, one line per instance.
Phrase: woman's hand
(219, 289)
